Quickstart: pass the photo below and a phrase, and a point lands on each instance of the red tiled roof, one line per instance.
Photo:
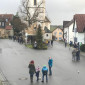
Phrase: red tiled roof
(80, 21)
(7, 16)
(8, 27)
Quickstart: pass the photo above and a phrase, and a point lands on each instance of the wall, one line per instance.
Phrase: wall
(49, 37)
(2, 32)
(41, 9)
(81, 37)
(71, 33)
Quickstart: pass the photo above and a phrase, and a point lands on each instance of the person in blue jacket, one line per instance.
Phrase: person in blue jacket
(50, 64)
(44, 73)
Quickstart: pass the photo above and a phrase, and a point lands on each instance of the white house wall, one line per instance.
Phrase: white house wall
(49, 37)
(81, 37)
(71, 33)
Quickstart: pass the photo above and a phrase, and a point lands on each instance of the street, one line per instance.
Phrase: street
(15, 58)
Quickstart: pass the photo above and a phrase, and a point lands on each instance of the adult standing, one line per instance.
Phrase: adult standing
(44, 73)
(50, 64)
(51, 42)
(78, 55)
(65, 42)
(31, 70)
(74, 54)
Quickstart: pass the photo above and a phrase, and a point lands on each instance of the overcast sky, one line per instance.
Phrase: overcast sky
(56, 10)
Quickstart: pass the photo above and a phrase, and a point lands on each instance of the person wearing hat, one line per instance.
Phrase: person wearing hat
(44, 73)
(50, 64)
(31, 70)
(37, 72)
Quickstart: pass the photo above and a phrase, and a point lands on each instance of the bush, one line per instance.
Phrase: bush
(82, 47)
(44, 46)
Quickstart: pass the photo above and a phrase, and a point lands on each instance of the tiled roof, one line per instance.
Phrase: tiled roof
(8, 27)
(80, 21)
(7, 16)
(47, 30)
(65, 23)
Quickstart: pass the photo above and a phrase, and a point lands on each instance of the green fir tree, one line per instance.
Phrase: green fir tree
(39, 38)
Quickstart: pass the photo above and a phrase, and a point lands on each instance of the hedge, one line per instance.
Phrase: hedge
(82, 47)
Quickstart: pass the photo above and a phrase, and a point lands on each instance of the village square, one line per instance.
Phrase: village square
(33, 51)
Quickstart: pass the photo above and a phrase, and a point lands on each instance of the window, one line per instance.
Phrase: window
(34, 2)
(60, 38)
(6, 20)
(47, 35)
(2, 23)
(60, 33)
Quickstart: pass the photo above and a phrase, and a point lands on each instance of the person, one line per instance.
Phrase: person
(78, 55)
(44, 73)
(74, 54)
(51, 42)
(37, 72)
(65, 43)
(50, 63)
(75, 45)
(35, 44)
(31, 70)
(70, 43)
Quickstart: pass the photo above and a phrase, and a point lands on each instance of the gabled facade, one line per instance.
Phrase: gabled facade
(5, 25)
(79, 28)
(68, 31)
(58, 33)
(75, 29)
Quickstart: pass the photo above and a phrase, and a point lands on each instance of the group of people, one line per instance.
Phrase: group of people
(33, 70)
(19, 39)
(76, 52)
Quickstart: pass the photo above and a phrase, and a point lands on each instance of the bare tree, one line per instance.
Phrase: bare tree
(29, 15)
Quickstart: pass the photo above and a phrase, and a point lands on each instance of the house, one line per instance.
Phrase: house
(68, 31)
(79, 28)
(74, 30)
(42, 20)
(47, 35)
(57, 31)
(5, 25)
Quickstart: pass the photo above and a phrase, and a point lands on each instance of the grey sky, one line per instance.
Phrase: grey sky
(56, 10)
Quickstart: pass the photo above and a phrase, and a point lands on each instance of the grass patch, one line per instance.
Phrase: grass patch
(29, 46)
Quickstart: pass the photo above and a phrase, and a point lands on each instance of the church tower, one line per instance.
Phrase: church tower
(40, 6)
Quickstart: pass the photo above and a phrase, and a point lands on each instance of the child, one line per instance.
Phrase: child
(37, 72)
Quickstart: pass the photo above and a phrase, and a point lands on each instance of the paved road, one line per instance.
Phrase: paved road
(14, 60)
